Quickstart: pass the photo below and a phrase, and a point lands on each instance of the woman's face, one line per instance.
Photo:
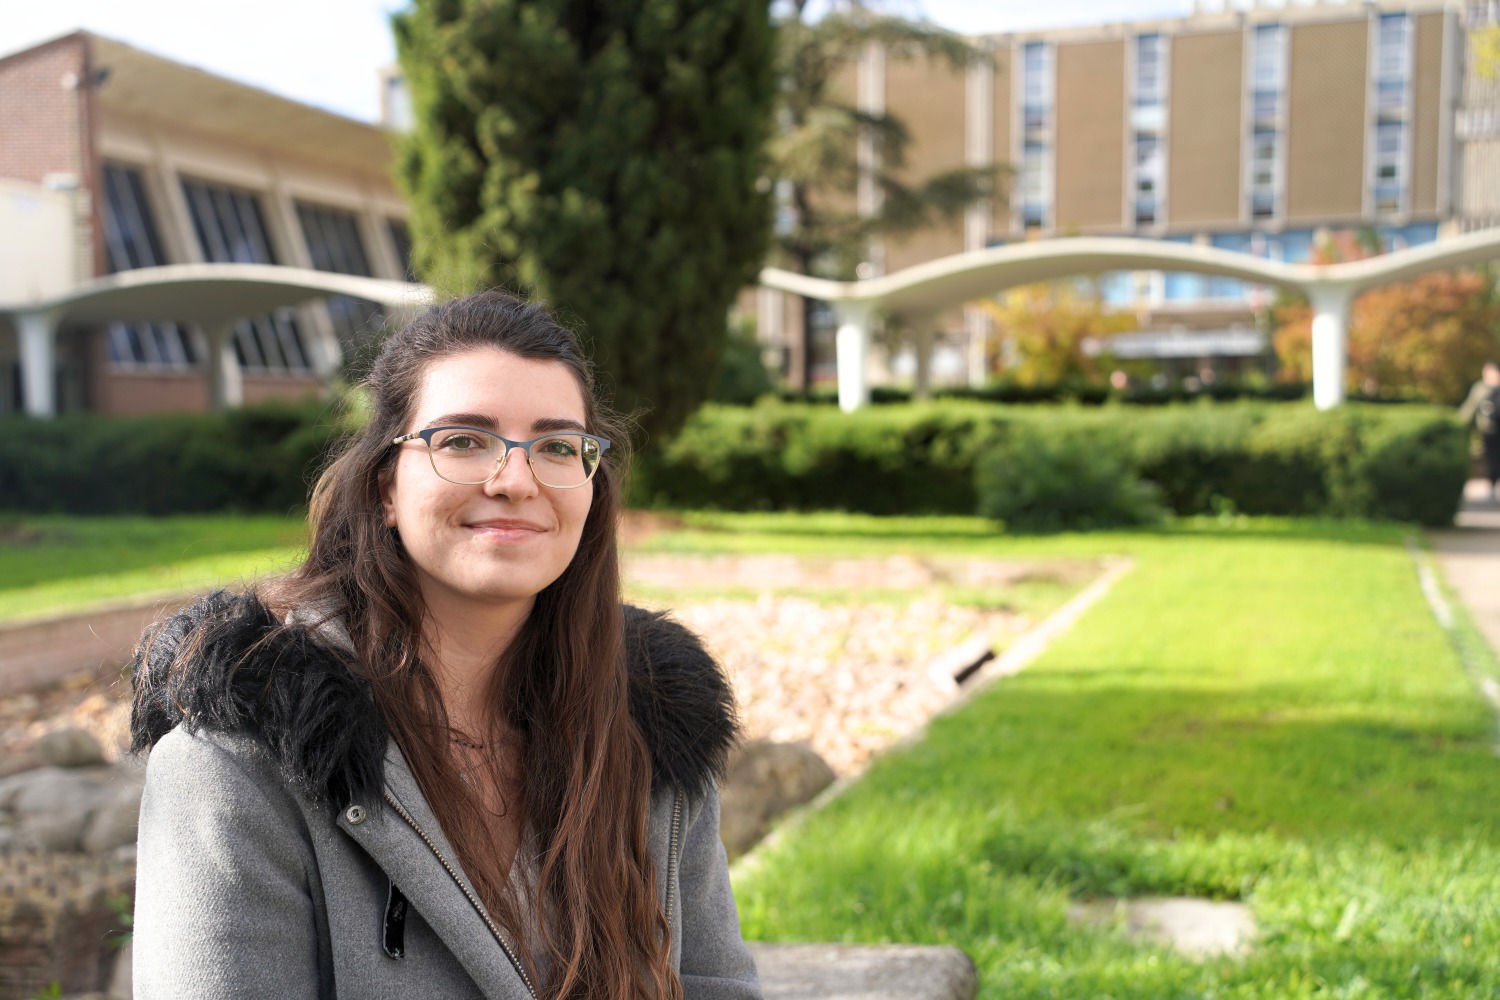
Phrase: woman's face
(503, 541)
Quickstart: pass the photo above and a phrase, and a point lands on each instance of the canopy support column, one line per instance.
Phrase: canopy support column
(853, 346)
(37, 340)
(226, 381)
(1330, 341)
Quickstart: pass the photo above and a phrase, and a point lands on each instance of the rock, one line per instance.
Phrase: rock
(55, 790)
(70, 747)
(120, 987)
(766, 780)
(113, 824)
(864, 972)
(1196, 928)
(23, 760)
(51, 806)
(52, 831)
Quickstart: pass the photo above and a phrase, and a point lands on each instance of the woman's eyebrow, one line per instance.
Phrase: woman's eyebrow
(485, 422)
(547, 424)
(480, 420)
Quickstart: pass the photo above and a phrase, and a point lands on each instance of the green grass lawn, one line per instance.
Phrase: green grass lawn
(1263, 711)
(50, 565)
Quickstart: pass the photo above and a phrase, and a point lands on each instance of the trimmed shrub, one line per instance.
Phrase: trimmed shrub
(1035, 483)
(259, 458)
(1390, 462)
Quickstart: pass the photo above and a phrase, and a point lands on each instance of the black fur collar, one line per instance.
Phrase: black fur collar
(318, 722)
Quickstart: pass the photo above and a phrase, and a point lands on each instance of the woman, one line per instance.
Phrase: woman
(440, 759)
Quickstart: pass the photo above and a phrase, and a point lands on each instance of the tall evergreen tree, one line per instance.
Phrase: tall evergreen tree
(815, 157)
(606, 155)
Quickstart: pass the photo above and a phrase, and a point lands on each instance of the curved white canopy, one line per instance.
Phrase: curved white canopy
(212, 294)
(950, 281)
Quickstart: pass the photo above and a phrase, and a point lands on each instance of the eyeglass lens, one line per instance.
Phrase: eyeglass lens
(470, 457)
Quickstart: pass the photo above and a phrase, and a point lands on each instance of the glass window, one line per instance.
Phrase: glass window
(1149, 53)
(1268, 57)
(1266, 106)
(1390, 99)
(333, 243)
(231, 230)
(1228, 288)
(401, 236)
(131, 241)
(1391, 47)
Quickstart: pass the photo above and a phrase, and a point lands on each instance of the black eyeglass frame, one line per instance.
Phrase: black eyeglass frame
(425, 435)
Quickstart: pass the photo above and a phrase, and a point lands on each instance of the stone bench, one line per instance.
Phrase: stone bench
(864, 972)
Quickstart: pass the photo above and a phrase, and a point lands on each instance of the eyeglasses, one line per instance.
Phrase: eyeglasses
(470, 456)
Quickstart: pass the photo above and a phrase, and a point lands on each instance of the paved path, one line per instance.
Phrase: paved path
(1469, 555)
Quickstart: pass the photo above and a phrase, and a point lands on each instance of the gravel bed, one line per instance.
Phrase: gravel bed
(850, 678)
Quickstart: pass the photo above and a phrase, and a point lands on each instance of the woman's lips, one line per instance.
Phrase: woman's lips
(507, 530)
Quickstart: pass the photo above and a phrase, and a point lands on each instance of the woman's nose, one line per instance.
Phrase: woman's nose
(513, 476)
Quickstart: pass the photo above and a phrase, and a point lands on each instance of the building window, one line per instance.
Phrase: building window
(231, 230)
(131, 241)
(1148, 119)
(1267, 105)
(1036, 147)
(333, 243)
(1392, 84)
(401, 237)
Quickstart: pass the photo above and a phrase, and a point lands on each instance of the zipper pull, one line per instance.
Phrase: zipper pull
(393, 935)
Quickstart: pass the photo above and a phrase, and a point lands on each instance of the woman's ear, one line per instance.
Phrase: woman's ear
(387, 505)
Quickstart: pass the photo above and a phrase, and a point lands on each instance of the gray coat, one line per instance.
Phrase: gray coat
(277, 859)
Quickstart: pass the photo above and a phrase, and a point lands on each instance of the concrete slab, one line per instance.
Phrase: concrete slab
(1196, 928)
(864, 972)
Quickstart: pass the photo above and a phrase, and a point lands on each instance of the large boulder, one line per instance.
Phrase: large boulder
(70, 747)
(765, 781)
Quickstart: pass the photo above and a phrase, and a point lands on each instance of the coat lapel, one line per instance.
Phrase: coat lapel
(436, 894)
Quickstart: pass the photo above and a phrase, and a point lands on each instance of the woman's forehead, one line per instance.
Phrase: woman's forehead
(503, 385)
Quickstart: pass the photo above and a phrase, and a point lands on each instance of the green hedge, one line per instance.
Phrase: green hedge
(259, 458)
(1387, 462)
(1390, 462)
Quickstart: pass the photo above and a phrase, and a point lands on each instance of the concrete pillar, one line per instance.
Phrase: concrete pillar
(923, 337)
(1330, 341)
(976, 354)
(853, 345)
(226, 382)
(37, 340)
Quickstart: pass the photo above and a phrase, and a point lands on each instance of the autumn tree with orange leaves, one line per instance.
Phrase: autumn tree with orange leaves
(1049, 324)
(1426, 338)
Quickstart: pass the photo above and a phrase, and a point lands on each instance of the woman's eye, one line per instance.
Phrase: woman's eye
(461, 442)
(559, 448)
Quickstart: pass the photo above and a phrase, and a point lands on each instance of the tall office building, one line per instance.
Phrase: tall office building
(1250, 127)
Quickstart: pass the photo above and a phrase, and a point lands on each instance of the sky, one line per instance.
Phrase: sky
(328, 52)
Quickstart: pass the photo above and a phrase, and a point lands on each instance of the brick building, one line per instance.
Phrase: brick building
(113, 159)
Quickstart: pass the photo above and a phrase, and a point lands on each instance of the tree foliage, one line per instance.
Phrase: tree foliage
(815, 153)
(1049, 325)
(607, 157)
(1485, 42)
(1426, 338)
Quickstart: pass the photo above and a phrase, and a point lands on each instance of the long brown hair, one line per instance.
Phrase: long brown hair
(562, 682)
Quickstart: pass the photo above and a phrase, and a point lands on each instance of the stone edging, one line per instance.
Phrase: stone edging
(1016, 657)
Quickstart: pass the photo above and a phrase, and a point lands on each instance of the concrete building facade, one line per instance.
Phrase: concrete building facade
(117, 159)
(1251, 127)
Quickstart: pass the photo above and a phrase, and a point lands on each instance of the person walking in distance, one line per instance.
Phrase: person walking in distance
(1482, 410)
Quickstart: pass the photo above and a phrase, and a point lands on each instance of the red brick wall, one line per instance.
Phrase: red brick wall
(39, 117)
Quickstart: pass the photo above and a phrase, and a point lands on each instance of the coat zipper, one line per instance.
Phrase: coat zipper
(672, 853)
(473, 900)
